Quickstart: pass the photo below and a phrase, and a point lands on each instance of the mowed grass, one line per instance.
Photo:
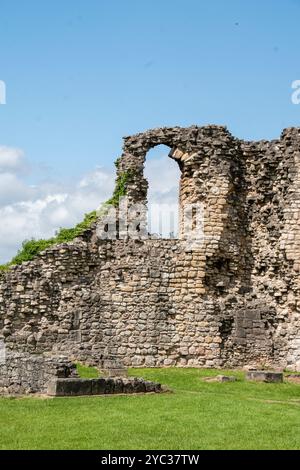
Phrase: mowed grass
(87, 372)
(196, 415)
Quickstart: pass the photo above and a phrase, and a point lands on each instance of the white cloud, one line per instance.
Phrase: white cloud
(28, 211)
(95, 179)
(12, 160)
(13, 189)
(163, 175)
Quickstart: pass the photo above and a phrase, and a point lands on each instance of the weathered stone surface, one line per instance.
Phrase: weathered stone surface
(264, 376)
(232, 301)
(98, 386)
(23, 373)
(113, 368)
(70, 387)
(293, 378)
(114, 372)
(226, 378)
(221, 378)
(82, 387)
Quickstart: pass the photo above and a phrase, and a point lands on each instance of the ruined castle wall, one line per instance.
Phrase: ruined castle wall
(23, 373)
(138, 302)
(231, 300)
(272, 170)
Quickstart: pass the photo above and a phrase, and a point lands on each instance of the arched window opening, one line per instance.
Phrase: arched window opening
(163, 176)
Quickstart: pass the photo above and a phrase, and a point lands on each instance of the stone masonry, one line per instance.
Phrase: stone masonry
(231, 302)
(24, 373)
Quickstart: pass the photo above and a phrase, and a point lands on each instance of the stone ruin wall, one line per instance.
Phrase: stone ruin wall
(23, 373)
(233, 301)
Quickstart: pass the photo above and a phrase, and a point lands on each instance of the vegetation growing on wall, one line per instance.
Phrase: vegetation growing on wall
(120, 188)
(31, 248)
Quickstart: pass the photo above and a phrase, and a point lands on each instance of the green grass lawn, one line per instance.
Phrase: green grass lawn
(197, 415)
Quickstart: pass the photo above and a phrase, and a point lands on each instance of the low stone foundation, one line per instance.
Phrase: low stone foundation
(101, 386)
(23, 374)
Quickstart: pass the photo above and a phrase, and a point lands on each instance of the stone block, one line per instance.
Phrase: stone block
(264, 376)
(139, 386)
(98, 386)
(118, 386)
(226, 378)
(101, 386)
(120, 372)
(69, 387)
(128, 386)
(109, 385)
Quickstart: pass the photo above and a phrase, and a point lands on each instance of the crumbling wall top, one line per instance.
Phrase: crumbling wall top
(186, 139)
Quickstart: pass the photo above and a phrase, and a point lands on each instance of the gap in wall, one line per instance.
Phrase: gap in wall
(163, 175)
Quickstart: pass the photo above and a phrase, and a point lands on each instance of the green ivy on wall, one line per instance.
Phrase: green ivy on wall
(31, 248)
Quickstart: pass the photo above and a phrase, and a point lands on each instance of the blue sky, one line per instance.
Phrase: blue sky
(82, 74)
